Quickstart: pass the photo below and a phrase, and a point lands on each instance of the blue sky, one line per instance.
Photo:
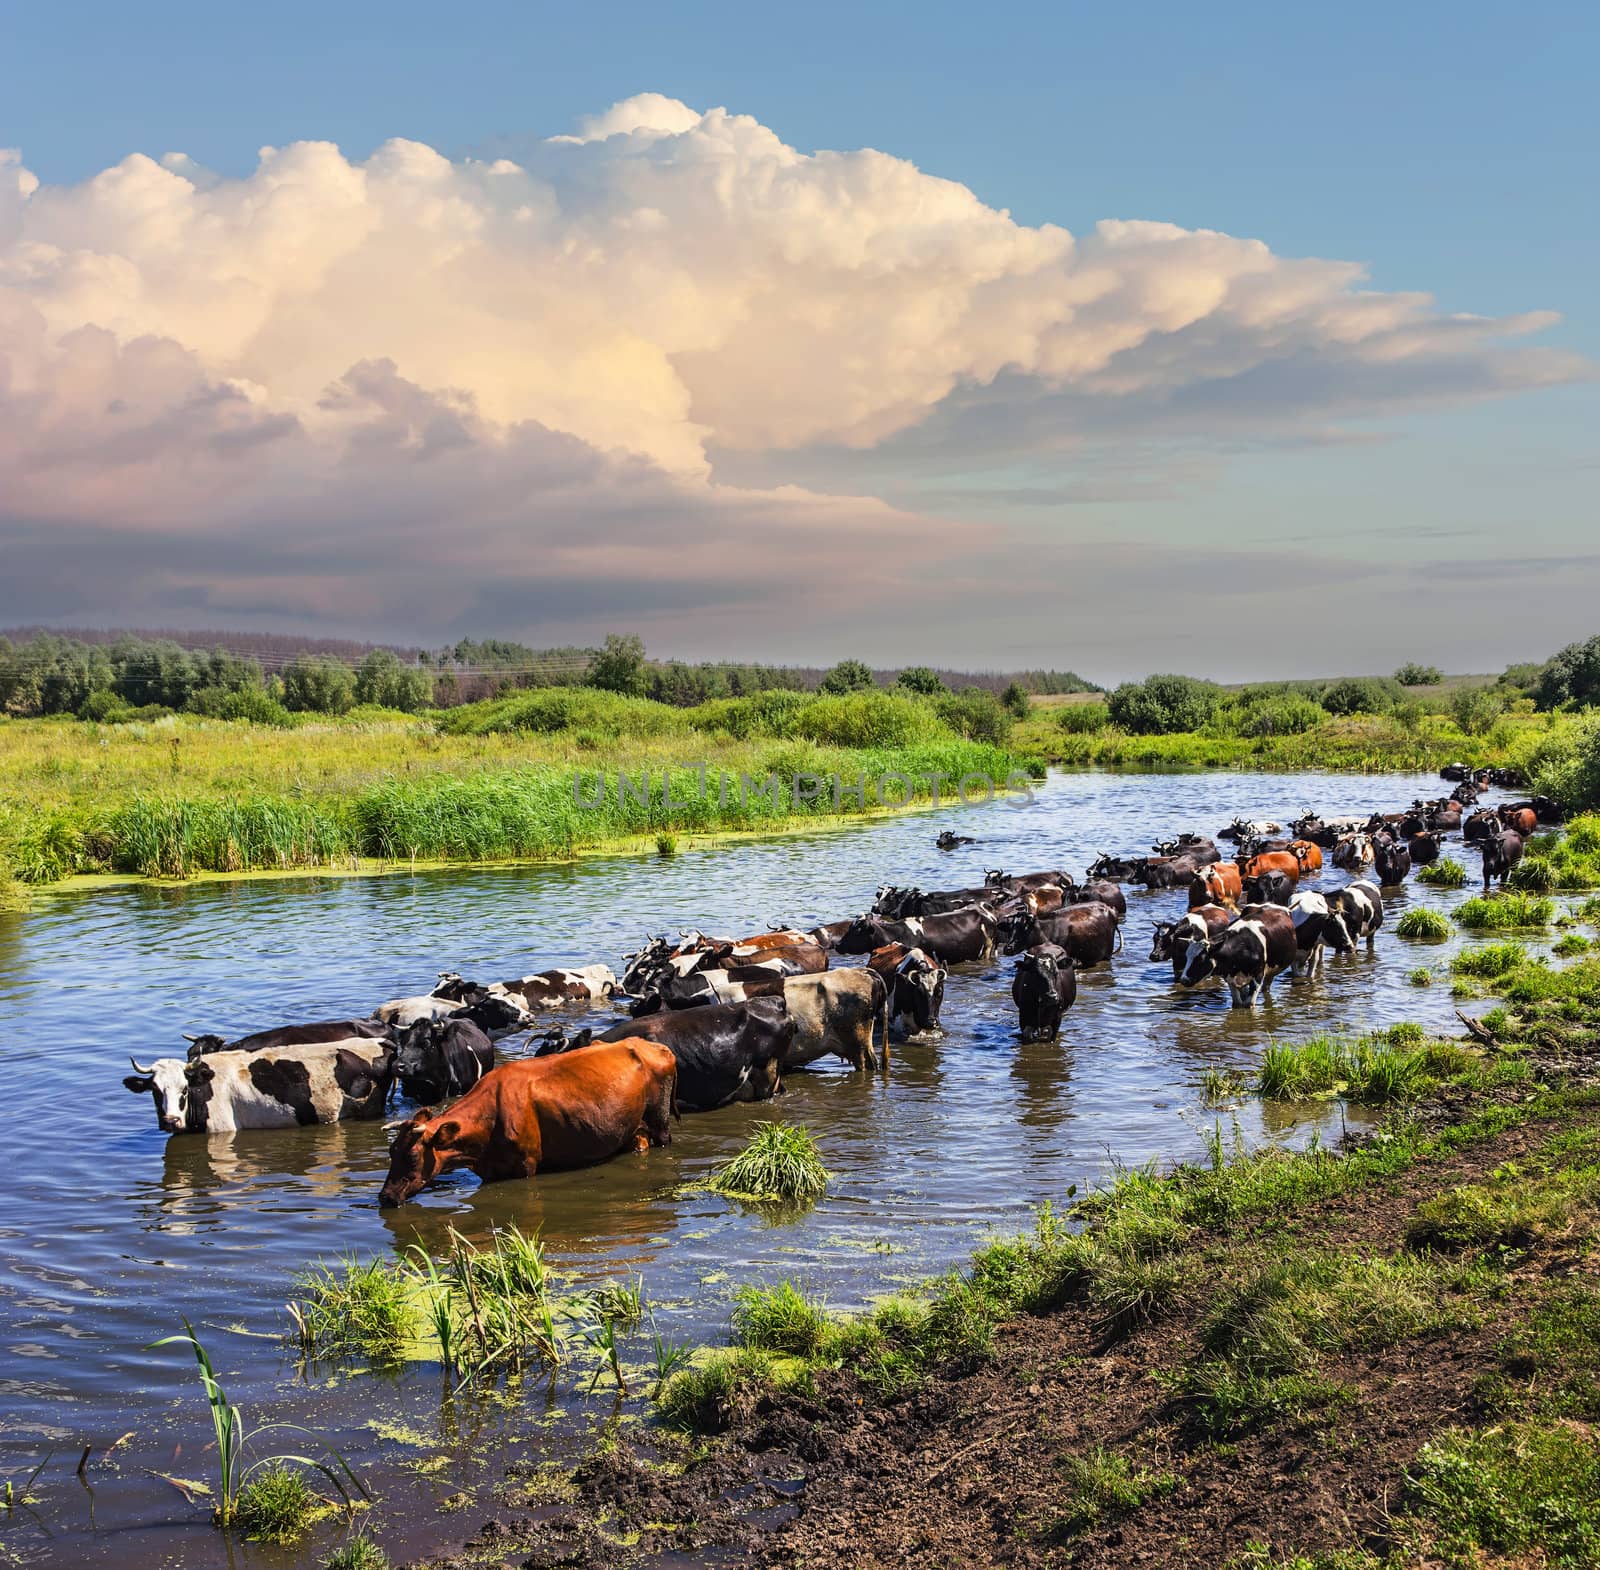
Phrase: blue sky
(1448, 149)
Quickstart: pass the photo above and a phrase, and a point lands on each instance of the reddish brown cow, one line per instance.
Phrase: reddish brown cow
(1218, 884)
(1283, 861)
(1308, 855)
(1520, 820)
(539, 1114)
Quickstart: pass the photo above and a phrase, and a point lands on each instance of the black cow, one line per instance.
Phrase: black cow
(949, 840)
(1481, 825)
(1246, 956)
(1355, 912)
(960, 937)
(1391, 861)
(1501, 853)
(1044, 987)
(311, 1035)
(725, 1052)
(1269, 888)
(1016, 883)
(436, 1058)
(1097, 891)
(1425, 848)
(916, 985)
(1089, 933)
(1172, 938)
(900, 904)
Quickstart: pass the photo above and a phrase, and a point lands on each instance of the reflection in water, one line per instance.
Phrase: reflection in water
(120, 1232)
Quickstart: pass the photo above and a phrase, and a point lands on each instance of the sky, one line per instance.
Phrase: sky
(1251, 341)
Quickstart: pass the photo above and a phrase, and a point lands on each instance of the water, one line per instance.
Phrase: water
(111, 1233)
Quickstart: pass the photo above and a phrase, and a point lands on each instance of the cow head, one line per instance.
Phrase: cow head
(418, 1063)
(863, 935)
(1161, 940)
(919, 988)
(200, 1045)
(1039, 969)
(1199, 962)
(422, 1152)
(178, 1086)
(1341, 911)
(893, 901)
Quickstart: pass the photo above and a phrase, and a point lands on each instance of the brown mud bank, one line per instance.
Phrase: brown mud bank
(1385, 1355)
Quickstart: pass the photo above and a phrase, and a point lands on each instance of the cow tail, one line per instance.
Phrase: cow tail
(1118, 946)
(883, 1020)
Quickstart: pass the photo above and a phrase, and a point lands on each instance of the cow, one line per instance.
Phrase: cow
(1218, 884)
(827, 936)
(1308, 854)
(1455, 771)
(702, 988)
(1198, 846)
(1268, 888)
(1172, 938)
(836, 1012)
(1245, 829)
(899, 904)
(1116, 869)
(1544, 808)
(1324, 832)
(1097, 891)
(1246, 956)
(1354, 912)
(1283, 861)
(1353, 852)
(1501, 852)
(281, 1087)
(436, 1058)
(541, 1114)
(949, 840)
(315, 1034)
(1044, 987)
(725, 1053)
(1089, 933)
(1425, 848)
(546, 989)
(961, 937)
(400, 1012)
(1015, 883)
(1520, 820)
(1481, 825)
(1391, 861)
(916, 985)
(1309, 912)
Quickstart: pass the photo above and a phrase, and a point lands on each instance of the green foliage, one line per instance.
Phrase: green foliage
(1288, 714)
(869, 718)
(357, 1552)
(1423, 922)
(382, 680)
(1164, 705)
(277, 1505)
(976, 714)
(705, 1397)
(1513, 1490)
(847, 676)
(1015, 698)
(1104, 1486)
(1571, 676)
(1571, 945)
(1476, 709)
(1083, 719)
(253, 704)
(1490, 961)
(779, 1319)
(1443, 874)
(619, 666)
(920, 680)
(781, 1163)
(353, 1307)
(1360, 695)
(1389, 1066)
(1504, 909)
(318, 683)
(1414, 675)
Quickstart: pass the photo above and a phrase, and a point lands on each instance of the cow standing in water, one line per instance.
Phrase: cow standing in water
(1246, 956)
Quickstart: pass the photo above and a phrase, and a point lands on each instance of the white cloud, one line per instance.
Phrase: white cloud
(582, 332)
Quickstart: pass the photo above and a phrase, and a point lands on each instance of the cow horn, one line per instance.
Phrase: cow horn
(398, 1123)
(186, 1037)
(139, 1068)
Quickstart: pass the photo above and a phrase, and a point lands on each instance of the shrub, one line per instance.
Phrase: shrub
(1288, 715)
(619, 666)
(1443, 874)
(254, 704)
(847, 676)
(1359, 695)
(1084, 719)
(1430, 925)
(1475, 709)
(1164, 705)
(382, 679)
(976, 714)
(869, 719)
(922, 681)
(1015, 698)
(1572, 675)
(319, 684)
(1414, 675)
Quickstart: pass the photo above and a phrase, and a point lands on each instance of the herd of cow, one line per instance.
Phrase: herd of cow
(716, 1020)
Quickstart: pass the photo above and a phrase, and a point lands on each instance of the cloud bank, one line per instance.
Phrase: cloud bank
(409, 394)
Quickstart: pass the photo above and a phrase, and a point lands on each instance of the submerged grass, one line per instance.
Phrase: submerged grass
(1443, 874)
(781, 1164)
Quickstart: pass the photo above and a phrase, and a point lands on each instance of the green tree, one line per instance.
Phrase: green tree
(921, 680)
(619, 666)
(1414, 675)
(1571, 676)
(847, 676)
(1475, 709)
(977, 714)
(1358, 695)
(318, 684)
(384, 679)
(1163, 705)
(1016, 698)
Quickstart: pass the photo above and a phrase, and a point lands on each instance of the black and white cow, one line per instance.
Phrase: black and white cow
(1268, 887)
(960, 937)
(315, 1033)
(278, 1088)
(546, 989)
(1172, 938)
(726, 1052)
(1044, 987)
(1312, 931)
(916, 986)
(1247, 956)
(436, 1058)
(1354, 912)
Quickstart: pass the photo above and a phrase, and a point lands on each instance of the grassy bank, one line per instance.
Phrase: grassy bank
(528, 778)
(1380, 1356)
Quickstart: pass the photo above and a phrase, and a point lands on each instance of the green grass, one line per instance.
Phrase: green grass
(1519, 1488)
(357, 1552)
(1390, 1066)
(780, 1164)
(1506, 909)
(277, 1505)
(1102, 1486)
(1432, 926)
(779, 1319)
(1490, 961)
(1571, 945)
(368, 1308)
(1443, 874)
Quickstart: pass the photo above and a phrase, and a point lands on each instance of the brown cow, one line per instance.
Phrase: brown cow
(1308, 855)
(1520, 820)
(539, 1114)
(1283, 861)
(1218, 884)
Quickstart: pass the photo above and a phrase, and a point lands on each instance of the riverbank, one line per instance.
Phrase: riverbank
(1383, 1355)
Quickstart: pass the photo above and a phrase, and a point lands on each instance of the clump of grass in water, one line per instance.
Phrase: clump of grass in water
(1430, 925)
(1393, 1065)
(1490, 961)
(277, 1505)
(779, 1319)
(358, 1552)
(781, 1164)
(1443, 874)
(1219, 1086)
(1420, 977)
(1506, 909)
(369, 1308)
(1572, 944)
(666, 845)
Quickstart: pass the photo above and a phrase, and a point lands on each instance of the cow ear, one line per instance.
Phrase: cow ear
(198, 1072)
(445, 1133)
(139, 1084)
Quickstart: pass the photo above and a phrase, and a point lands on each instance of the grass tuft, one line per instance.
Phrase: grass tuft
(277, 1505)
(1431, 925)
(1443, 874)
(780, 1164)
(357, 1552)
(1495, 912)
